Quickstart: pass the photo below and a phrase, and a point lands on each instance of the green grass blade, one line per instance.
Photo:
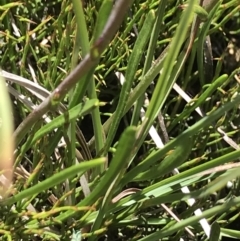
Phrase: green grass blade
(77, 111)
(118, 164)
(215, 232)
(103, 15)
(173, 160)
(191, 131)
(191, 221)
(200, 100)
(201, 40)
(134, 60)
(149, 58)
(164, 84)
(55, 179)
(114, 174)
(102, 18)
(81, 27)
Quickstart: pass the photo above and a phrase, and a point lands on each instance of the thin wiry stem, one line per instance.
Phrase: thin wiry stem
(115, 19)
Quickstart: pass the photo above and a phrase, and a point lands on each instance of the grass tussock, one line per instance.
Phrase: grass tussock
(126, 120)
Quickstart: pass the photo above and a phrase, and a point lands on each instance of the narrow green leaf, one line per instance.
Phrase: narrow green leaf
(149, 58)
(81, 26)
(231, 233)
(158, 154)
(77, 111)
(201, 39)
(200, 100)
(220, 182)
(200, 11)
(164, 83)
(102, 18)
(118, 164)
(55, 180)
(215, 232)
(131, 71)
(114, 174)
(173, 160)
(191, 221)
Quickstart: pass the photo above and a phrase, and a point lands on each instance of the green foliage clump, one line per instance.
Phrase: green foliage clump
(126, 119)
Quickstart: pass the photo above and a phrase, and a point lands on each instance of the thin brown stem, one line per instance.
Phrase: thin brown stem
(115, 19)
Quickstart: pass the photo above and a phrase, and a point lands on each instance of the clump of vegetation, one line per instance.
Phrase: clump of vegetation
(126, 119)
